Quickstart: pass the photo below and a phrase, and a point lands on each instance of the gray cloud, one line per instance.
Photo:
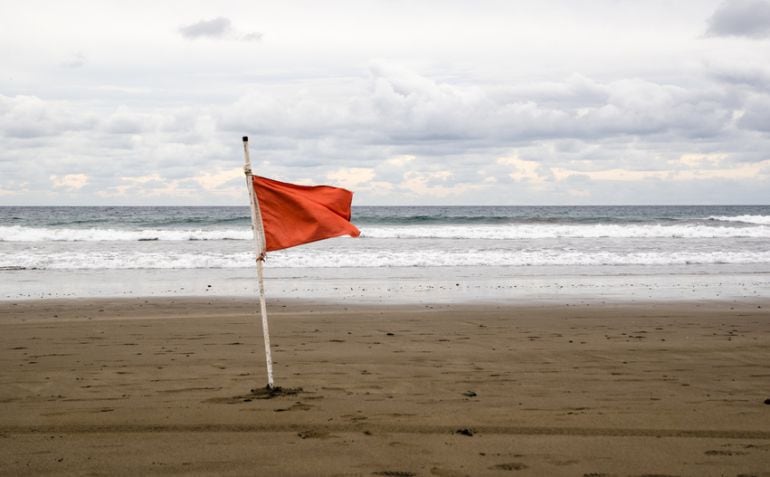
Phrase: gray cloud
(747, 18)
(752, 77)
(217, 28)
(398, 106)
(253, 36)
(757, 115)
(467, 140)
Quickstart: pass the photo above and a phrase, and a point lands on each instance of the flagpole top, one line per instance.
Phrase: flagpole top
(245, 138)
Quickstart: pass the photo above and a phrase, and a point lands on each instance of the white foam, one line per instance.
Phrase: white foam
(315, 258)
(33, 234)
(746, 219)
(485, 231)
(540, 231)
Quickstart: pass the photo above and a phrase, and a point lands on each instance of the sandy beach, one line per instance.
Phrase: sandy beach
(162, 385)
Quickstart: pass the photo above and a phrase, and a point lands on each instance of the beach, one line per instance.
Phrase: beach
(163, 385)
(489, 238)
(448, 341)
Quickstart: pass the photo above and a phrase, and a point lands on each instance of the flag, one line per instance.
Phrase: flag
(295, 214)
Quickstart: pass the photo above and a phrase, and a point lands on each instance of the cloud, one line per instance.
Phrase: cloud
(740, 76)
(757, 115)
(746, 18)
(400, 160)
(31, 117)
(151, 186)
(434, 184)
(70, 182)
(759, 171)
(77, 60)
(351, 177)
(124, 121)
(212, 181)
(393, 134)
(528, 171)
(253, 36)
(359, 180)
(216, 28)
(141, 180)
(699, 160)
(399, 106)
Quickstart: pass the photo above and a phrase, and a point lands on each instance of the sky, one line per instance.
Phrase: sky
(403, 102)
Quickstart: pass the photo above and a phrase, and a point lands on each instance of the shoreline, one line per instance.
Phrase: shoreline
(163, 385)
(404, 285)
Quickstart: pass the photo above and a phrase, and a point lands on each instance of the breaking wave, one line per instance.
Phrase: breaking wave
(367, 259)
(43, 234)
(481, 231)
(746, 219)
(542, 231)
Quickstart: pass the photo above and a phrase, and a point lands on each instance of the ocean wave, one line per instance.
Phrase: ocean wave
(746, 219)
(42, 234)
(367, 259)
(541, 231)
(483, 231)
(423, 220)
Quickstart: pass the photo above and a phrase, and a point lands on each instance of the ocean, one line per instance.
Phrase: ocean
(87, 251)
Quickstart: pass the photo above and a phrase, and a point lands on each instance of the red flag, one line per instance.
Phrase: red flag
(295, 214)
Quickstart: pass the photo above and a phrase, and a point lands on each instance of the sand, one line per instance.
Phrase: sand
(140, 386)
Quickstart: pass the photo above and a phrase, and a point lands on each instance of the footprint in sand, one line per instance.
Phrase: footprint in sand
(314, 434)
(297, 406)
(446, 472)
(509, 466)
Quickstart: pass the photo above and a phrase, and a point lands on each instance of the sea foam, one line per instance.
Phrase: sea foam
(481, 231)
(314, 258)
(44, 234)
(746, 219)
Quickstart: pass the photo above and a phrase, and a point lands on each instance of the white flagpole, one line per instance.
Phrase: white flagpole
(259, 240)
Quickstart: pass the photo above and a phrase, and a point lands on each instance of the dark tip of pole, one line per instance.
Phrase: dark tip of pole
(245, 138)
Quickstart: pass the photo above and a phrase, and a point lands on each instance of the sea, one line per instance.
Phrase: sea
(408, 253)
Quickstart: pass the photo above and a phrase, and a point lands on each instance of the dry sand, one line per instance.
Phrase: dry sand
(162, 386)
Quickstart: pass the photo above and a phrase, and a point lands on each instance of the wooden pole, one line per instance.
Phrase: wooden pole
(259, 240)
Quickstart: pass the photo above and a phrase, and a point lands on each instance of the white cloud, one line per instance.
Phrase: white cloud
(125, 121)
(141, 180)
(70, 182)
(699, 160)
(359, 180)
(759, 171)
(401, 106)
(134, 186)
(434, 184)
(400, 161)
(595, 96)
(528, 171)
(152, 187)
(212, 181)
(351, 177)
(77, 60)
(24, 116)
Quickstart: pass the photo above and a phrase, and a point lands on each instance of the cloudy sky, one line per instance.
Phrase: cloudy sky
(404, 102)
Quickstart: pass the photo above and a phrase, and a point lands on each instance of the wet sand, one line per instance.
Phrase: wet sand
(162, 385)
